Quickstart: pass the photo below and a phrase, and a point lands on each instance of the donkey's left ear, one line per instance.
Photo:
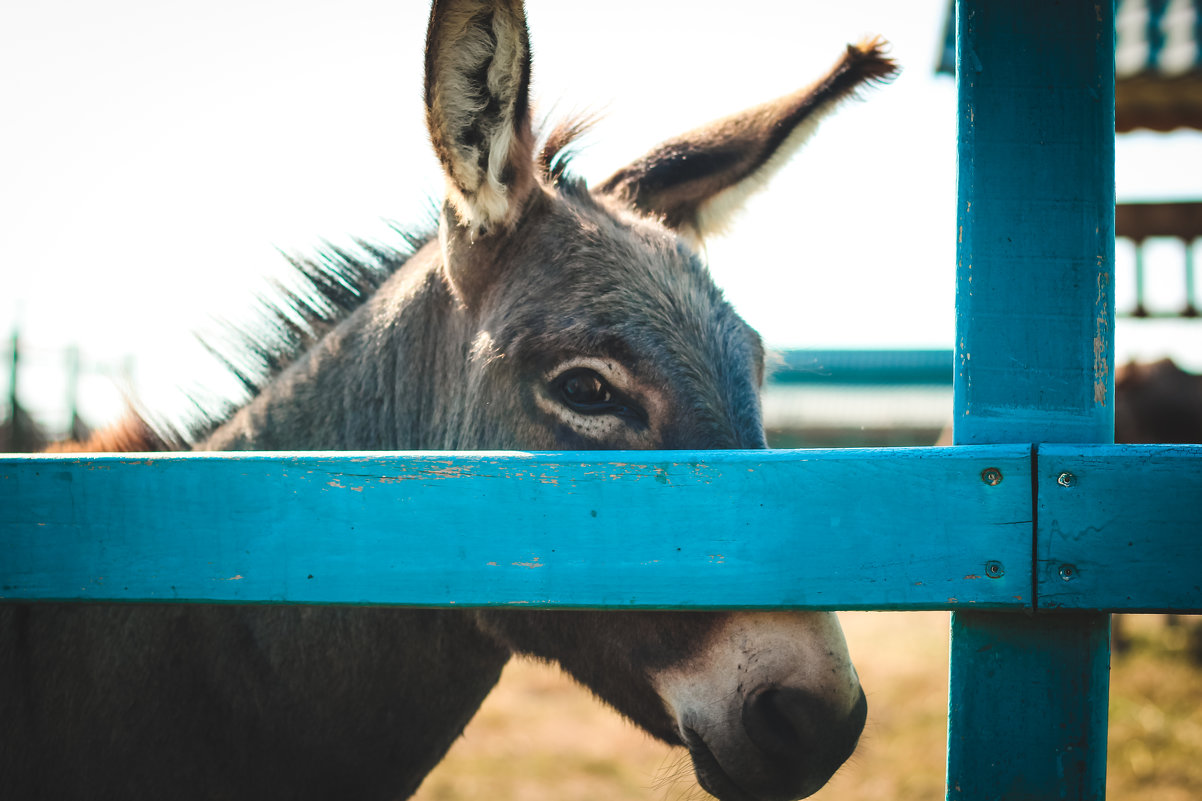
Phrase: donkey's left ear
(478, 110)
(697, 182)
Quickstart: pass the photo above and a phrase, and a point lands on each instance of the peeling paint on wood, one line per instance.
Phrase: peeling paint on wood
(1128, 525)
(659, 530)
(1035, 84)
(281, 534)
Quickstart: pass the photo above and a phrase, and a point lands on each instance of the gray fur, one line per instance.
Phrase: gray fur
(465, 345)
(575, 279)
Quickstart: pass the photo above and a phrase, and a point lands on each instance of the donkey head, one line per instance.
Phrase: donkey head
(590, 322)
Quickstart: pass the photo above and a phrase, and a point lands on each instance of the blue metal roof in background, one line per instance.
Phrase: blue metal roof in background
(1158, 63)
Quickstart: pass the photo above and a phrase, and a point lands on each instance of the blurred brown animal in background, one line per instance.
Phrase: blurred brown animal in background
(1157, 403)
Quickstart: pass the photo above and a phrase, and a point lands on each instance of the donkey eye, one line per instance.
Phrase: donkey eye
(586, 391)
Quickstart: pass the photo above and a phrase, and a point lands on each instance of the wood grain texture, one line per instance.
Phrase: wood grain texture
(852, 529)
(1034, 363)
(1027, 676)
(1035, 222)
(1120, 528)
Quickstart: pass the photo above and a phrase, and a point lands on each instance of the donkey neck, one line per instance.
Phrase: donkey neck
(383, 379)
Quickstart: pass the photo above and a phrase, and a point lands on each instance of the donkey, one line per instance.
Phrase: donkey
(541, 315)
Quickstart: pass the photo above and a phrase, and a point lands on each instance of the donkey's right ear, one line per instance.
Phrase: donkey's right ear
(478, 111)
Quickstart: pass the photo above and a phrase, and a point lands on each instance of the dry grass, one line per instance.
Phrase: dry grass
(1156, 713)
(540, 737)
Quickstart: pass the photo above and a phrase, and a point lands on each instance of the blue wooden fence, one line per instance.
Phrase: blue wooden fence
(1030, 544)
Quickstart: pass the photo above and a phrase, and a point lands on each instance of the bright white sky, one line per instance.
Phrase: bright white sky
(156, 155)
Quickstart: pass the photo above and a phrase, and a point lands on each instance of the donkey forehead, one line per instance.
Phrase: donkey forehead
(592, 277)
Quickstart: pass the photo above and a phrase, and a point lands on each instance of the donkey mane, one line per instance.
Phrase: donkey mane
(334, 282)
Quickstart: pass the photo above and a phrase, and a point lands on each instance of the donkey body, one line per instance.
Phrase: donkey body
(543, 315)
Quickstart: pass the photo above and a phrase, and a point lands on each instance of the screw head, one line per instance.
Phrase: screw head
(1068, 572)
(1066, 479)
(991, 476)
(994, 569)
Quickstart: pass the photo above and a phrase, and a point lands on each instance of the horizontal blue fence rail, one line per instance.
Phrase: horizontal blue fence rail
(912, 528)
(1119, 527)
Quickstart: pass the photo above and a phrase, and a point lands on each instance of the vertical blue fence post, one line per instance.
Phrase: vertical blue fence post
(1034, 363)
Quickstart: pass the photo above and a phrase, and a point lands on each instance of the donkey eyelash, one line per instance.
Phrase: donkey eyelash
(610, 371)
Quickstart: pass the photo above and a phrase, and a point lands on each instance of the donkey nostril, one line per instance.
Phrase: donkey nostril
(776, 720)
(794, 728)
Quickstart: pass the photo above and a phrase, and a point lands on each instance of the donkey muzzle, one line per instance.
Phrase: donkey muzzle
(771, 710)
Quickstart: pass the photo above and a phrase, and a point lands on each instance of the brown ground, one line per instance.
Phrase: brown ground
(539, 737)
